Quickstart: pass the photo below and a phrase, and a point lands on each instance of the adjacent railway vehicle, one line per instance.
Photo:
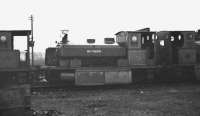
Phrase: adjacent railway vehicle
(15, 73)
(139, 56)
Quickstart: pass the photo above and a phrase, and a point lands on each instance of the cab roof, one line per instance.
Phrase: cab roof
(18, 32)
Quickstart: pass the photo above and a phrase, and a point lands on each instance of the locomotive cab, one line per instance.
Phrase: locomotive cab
(7, 46)
(176, 54)
(140, 45)
(176, 48)
(11, 65)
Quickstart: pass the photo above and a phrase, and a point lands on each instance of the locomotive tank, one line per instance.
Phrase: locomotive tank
(92, 51)
(85, 55)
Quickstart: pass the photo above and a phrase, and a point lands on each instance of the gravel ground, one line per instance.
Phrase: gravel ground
(142, 100)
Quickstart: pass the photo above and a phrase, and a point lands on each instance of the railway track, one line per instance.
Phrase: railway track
(45, 87)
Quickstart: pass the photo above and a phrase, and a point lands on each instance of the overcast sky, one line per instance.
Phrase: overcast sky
(96, 18)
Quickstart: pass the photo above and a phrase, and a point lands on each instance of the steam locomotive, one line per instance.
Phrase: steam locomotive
(139, 56)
